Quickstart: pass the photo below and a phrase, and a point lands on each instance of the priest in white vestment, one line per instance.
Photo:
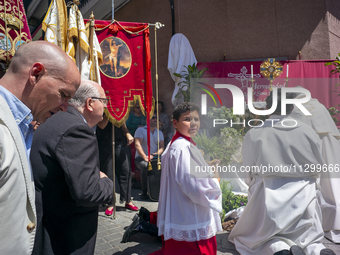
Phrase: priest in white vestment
(324, 126)
(282, 210)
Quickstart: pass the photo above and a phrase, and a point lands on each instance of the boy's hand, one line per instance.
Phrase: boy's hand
(215, 162)
(217, 176)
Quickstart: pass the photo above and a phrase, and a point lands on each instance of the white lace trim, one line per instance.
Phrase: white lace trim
(189, 233)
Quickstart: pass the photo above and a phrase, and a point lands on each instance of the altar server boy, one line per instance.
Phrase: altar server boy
(189, 199)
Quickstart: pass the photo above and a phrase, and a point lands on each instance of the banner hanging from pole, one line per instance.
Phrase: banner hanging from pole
(126, 68)
(14, 30)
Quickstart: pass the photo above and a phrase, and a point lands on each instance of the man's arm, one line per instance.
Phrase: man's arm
(161, 144)
(160, 150)
(129, 137)
(80, 163)
(139, 149)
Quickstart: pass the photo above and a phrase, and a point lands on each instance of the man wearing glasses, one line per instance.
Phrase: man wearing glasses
(69, 185)
(142, 159)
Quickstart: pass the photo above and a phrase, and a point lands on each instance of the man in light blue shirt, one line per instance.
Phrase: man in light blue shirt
(22, 116)
(141, 158)
(38, 83)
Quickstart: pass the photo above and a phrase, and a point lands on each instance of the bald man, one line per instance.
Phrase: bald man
(39, 82)
(68, 184)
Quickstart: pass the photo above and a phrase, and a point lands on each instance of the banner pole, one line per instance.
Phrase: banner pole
(113, 171)
(156, 66)
(113, 11)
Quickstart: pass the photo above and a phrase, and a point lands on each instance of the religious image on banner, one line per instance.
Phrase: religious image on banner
(117, 57)
(14, 30)
(126, 68)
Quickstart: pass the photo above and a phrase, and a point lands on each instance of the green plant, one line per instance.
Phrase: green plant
(336, 64)
(225, 114)
(230, 140)
(210, 146)
(191, 78)
(230, 201)
(221, 146)
(334, 113)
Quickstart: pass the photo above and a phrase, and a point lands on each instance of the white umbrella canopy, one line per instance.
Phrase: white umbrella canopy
(180, 55)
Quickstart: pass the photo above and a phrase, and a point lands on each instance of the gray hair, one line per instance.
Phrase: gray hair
(85, 91)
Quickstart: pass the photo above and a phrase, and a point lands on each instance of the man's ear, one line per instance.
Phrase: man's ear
(36, 71)
(175, 123)
(89, 104)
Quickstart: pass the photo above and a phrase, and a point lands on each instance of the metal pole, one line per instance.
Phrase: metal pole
(158, 159)
(113, 171)
(91, 53)
(113, 11)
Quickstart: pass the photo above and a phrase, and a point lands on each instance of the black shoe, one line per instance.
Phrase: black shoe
(327, 252)
(296, 250)
(283, 252)
(144, 214)
(131, 230)
(144, 196)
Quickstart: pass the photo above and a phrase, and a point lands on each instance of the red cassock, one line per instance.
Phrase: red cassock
(171, 246)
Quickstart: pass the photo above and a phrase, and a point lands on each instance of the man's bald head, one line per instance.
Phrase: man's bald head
(43, 77)
(54, 59)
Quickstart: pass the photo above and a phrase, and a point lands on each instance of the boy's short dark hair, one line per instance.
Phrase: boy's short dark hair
(184, 107)
(269, 101)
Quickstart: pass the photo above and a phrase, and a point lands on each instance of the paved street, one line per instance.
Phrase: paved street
(110, 233)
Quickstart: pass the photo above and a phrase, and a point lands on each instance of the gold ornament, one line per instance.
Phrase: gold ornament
(12, 21)
(271, 69)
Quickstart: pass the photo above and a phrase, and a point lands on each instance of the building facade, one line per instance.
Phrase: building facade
(228, 30)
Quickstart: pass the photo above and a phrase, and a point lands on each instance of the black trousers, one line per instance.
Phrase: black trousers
(122, 171)
(122, 159)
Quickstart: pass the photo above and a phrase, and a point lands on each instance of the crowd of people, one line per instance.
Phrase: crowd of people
(52, 182)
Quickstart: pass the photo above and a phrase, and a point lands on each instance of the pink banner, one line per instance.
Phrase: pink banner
(312, 75)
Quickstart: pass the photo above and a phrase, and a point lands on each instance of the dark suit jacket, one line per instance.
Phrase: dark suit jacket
(65, 164)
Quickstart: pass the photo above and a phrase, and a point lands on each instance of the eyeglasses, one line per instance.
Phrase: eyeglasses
(154, 117)
(105, 101)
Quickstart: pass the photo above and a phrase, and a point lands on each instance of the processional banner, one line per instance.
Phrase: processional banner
(14, 30)
(126, 68)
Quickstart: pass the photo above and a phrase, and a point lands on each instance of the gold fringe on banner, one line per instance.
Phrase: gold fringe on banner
(136, 98)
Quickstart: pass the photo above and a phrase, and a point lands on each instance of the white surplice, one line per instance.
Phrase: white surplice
(282, 208)
(189, 201)
(325, 127)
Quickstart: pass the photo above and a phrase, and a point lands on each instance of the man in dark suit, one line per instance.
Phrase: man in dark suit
(69, 186)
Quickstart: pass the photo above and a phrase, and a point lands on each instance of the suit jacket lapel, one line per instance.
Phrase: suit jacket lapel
(8, 120)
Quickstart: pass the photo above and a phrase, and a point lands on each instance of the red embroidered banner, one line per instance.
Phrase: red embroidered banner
(126, 68)
(14, 30)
